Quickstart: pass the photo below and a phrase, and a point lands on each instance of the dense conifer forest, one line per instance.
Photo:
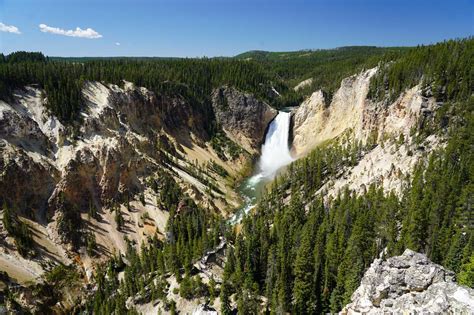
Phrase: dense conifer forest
(326, 68)
(308, 256)
(192, 79)
(444, 69)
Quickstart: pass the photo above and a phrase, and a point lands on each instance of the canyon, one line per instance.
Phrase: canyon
(103, 178)
(127, 136)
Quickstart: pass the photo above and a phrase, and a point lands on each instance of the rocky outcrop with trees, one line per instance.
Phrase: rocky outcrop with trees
(409, 283)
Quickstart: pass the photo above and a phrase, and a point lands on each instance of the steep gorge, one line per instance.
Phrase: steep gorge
(56, 176)
(384, 168)
(389, 147)
(135, 194)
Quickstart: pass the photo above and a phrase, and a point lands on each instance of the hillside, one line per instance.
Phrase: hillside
(388, 173)
(318, 54)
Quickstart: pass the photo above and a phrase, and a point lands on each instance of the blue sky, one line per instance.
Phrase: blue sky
(224, 27)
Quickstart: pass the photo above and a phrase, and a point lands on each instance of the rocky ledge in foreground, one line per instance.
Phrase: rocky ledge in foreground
(412, 284)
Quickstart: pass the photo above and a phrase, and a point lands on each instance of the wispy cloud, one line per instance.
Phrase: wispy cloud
(117, 44)
(9, 28)
(78, 32)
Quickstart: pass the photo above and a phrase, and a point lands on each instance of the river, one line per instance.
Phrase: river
(275, 155)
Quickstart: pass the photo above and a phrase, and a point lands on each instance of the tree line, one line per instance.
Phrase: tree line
(444, 71)
(191, 79)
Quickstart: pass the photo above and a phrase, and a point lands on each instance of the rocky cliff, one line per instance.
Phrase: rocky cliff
(351, 111)
(387, 131)
(315, 121)
(108, 151)
(409, 284)
(243, 118)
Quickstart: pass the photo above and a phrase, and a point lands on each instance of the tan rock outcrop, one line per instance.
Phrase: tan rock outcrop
(303, 84)
(350, 111)
(315, 122)
(25, 182)
(362, 120)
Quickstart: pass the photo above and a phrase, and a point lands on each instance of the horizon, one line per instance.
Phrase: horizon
(243, 52)
(212, 28)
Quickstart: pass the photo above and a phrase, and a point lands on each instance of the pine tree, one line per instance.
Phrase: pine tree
(303, 273)
(466, 275)
(119, 219)
(7, 218)
(415, 225)
(226, 308)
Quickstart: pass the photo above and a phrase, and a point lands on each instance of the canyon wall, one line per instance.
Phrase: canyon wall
(69, 181)
(387, 131)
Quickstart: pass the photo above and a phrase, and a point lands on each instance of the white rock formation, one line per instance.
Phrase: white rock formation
(303, 84)
(409, 284)
(203, 310)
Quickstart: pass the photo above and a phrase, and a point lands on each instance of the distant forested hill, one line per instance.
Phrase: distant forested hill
(255, 72)
(193, 79)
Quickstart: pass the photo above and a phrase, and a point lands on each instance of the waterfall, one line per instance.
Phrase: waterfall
(275, 155)
(275, 151)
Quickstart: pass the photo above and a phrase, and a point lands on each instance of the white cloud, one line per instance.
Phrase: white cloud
(78, 32)
(117, 44)
(9, 28)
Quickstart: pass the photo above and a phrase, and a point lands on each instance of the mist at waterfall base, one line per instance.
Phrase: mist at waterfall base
(275, 155)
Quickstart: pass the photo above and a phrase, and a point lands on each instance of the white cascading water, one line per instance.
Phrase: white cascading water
(275, 150)
(275, 155)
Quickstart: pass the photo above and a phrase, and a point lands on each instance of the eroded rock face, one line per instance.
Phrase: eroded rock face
(102, 174)
(105, 159)
(409, 283)
(71, 183)
(21, 130)
(351, 112)
(315, 122)
(242, 116)
(139, 110)
(25, 182)
(385, 131)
